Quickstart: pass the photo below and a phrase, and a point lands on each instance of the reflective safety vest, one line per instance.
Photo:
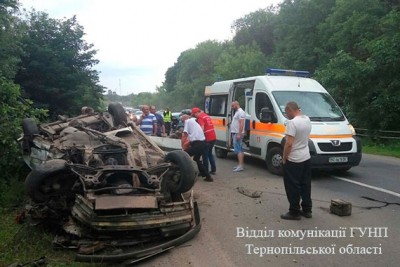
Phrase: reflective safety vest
(167, 116)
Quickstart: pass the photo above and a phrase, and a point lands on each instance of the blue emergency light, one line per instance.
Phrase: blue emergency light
(281, 72)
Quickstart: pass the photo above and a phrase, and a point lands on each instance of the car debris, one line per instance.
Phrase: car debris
(246, 192)
(340, 207)
(116, 196)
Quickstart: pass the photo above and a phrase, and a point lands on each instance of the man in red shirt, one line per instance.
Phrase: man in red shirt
(208, 128)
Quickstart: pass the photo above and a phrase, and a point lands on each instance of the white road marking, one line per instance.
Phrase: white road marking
(368, 186)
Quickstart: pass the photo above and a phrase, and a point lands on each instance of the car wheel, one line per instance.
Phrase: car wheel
(274, 160)
(49, 180)
(184, 176)
(29, 127)
(118, 113)
(220, 152)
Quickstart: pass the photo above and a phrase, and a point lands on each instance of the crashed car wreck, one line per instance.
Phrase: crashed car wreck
(112, 192)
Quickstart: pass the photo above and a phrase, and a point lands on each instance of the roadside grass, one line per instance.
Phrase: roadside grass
(391, 149)
(23, 244)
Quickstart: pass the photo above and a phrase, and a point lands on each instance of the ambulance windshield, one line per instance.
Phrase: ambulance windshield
(316, 105)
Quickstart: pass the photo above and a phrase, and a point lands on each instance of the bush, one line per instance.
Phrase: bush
(12, 111)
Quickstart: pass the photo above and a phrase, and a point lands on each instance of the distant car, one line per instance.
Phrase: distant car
(186, 111)
(177, 124)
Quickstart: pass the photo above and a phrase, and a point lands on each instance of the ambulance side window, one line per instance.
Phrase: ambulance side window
(217, 105)
(262, 101)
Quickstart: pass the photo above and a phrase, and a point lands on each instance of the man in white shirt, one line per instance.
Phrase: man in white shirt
(193, 133)
(237, 131)
(296, 163)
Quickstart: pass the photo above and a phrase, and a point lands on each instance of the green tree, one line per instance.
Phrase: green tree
(238, 62)
(256, 27)
(9, 36)
(364, 78)
(194, 69)
(297, 44)
(56, 65)
(13, 109)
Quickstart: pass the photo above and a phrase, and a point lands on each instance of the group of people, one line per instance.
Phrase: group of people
(295, 158)
(153, 123)
(199, 138)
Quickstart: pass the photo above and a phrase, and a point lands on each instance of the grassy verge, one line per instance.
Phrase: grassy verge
(391, 149)
(23, 244)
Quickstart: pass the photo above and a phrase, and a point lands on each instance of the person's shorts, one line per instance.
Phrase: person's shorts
(237, 144)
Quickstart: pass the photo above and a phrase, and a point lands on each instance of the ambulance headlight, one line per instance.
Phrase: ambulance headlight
(352, 130)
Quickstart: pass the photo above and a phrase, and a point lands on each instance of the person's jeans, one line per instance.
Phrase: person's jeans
(197, 149)
(209, 157)
(297, 181)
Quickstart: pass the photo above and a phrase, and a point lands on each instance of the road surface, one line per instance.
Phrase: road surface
(238, 230)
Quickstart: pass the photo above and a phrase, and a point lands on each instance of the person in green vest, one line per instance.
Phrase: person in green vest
(167, 120)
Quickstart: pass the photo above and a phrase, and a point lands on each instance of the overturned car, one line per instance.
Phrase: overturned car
(113, 194)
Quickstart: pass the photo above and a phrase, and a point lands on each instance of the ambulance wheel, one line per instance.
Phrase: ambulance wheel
(274, 160)
(220, 152)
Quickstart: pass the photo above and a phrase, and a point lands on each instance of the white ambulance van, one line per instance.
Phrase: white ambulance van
(333, 143)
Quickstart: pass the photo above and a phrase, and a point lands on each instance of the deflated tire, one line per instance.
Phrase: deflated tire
(184, 174)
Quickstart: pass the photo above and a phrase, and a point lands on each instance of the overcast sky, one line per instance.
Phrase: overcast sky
(137, 41)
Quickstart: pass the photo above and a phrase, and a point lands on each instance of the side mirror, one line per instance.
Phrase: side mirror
(267, 115)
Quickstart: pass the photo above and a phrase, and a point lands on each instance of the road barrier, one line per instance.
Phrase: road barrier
(394, 135)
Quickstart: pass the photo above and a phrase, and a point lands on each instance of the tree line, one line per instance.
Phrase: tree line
(350, 46)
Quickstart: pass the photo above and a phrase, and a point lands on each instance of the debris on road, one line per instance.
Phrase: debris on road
(246, 192)
(340, 207)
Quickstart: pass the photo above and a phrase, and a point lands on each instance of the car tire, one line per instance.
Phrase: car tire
(29, 127)
(184, 178)
(220, 152)
(118, 113)
(51, 179)
(274, 160)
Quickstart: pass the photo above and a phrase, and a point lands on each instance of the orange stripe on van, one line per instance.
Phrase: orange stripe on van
(264, 133)
(331, 136)
(270, 127)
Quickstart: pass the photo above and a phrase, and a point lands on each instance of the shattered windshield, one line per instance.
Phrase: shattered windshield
(316, 105)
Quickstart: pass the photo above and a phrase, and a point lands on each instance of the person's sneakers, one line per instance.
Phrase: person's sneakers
(306, 214)
(212, 172)
(290, 216)
(238, 169)
(209, 179)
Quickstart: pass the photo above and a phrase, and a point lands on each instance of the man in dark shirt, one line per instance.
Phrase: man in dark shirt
(160, 121)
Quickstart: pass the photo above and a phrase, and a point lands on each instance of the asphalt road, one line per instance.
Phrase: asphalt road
(231, 221)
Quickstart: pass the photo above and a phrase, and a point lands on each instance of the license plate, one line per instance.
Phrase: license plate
(338, 159)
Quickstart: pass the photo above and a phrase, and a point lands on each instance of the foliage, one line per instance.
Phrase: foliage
(12, 110)
(352, 46)
(56, 66)
(296, 37)
(388, 148)
(363, 75)
(256, 27)
(24, 243)
(9, 36)
(239, 62)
